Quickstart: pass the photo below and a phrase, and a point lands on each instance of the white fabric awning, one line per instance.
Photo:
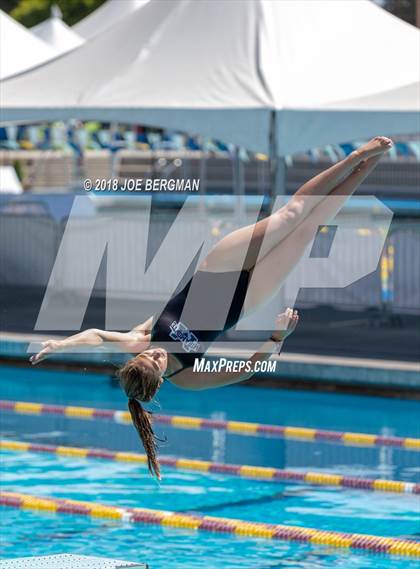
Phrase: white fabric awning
(57, 33)
(106, 16)
(19, 48)
(223, 69)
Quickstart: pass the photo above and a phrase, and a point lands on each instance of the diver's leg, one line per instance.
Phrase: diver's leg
(324, 182)
(257, 240)
(269, 273)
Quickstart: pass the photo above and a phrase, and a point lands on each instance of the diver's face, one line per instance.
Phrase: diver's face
(157, 357)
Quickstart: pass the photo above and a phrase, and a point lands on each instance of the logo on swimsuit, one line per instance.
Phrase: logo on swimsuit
(181, 333)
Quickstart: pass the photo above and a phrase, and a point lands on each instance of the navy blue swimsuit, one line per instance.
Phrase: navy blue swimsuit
(169, 328)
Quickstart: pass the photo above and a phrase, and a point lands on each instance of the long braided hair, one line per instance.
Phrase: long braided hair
(140, 383)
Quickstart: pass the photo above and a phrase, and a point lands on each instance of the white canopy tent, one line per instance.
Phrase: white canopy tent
(19, 48)
(106, 16)
(402, 98)
(269, 76)
(57, 33)
(9, 181)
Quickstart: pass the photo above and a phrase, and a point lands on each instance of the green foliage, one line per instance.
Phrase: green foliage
(8, 5)
(32, 12)
(404, 9)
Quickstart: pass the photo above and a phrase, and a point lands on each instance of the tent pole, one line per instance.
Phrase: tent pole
(239, 186)
(203, 184)
(277, 165)
(277, 186)
(113, 130)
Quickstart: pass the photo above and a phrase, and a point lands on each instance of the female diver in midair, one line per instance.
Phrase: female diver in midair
(275, 245)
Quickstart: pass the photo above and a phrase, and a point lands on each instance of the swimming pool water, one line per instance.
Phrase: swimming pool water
(165, 548)
(26, 533)
(124, 484)
(129, 485)
(304, 408)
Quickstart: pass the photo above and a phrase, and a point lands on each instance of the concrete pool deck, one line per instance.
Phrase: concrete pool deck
(299, 370)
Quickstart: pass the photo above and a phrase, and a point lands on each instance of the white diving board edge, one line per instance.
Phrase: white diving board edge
(69, 561)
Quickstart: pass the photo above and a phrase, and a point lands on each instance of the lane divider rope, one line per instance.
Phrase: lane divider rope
(244, 471)
(237, 427)
(372, 543)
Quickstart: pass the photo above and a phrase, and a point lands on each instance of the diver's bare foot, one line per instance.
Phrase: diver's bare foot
(285, 324)
(374, 147)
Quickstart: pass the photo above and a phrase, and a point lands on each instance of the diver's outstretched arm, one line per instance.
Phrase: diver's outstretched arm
(146, 326)
(188, 379)
(126, 341)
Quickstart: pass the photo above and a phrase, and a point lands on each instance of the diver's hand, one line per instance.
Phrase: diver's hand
(49, 347)
(285, 324)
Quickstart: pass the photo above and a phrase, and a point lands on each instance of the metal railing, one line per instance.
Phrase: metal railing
(29, 246)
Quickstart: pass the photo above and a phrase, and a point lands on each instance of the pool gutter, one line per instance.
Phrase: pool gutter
(297, 371)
